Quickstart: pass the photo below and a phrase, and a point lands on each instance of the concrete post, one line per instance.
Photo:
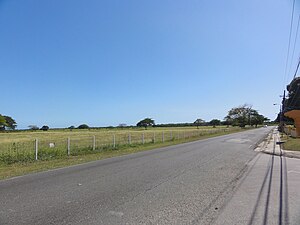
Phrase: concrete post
(36, 148)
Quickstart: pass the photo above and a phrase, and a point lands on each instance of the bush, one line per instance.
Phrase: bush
(83, 126)
(44, 128)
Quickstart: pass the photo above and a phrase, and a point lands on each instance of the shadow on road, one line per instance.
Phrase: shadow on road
(265, 192)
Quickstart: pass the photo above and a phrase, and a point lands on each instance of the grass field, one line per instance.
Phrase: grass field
(23, 146)
(22, 136)
(17, 149)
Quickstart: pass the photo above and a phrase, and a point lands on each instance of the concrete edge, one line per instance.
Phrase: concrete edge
(291, 154)
(263, 146)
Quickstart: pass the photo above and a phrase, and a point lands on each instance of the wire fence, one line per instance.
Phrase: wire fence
(47, 148)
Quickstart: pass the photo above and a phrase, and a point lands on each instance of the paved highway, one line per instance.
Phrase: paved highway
(182, 184)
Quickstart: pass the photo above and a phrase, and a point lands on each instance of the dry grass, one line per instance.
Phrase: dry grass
(54, 144)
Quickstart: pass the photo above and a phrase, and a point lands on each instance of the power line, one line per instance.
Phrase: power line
(289, 44)
(297, 68)
(295, 41)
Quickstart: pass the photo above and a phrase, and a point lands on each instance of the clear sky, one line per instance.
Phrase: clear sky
(106, 62)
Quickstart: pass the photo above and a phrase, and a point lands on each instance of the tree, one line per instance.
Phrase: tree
(257, 119)
(244, 115)
(83, 126)
(122, 125)
(2, 122)
(33, 127)
(238, 116)
(145, 123)
(44, 128)
(199, 122)
(7, 122)
(11, 123)
(215, 122)
(71, 127)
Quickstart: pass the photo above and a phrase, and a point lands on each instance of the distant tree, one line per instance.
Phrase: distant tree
(244, 115)
(199, 122)
(122, 125)
(11, 123)
(226, 123)
(71, 127)
(257, 119)
(44, 128)
(83, 126)
(146, 123)
(238, 116)
(2, 122)
(215, 122)
(33, 127)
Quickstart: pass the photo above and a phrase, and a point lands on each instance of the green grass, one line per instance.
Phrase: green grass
(290, 143)
(11, 168)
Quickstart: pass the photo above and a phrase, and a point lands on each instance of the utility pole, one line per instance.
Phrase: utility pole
(281, 112)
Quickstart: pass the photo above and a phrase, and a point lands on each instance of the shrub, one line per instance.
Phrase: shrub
(44, 128)
(83, 126)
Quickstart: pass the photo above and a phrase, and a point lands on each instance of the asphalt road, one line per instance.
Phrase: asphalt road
(182, 184)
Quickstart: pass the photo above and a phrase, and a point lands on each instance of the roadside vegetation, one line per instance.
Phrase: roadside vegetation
(290, 143)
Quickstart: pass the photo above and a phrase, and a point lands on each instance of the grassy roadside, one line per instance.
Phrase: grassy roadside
(18, 169)
(290, 143)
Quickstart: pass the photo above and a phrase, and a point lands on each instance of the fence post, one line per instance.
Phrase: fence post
(68, 146)
(163, 136)
(94, 143)
(36, 148)
(171, 135)
(114, 140)
(153, 137)
(143, 138)
(129, 138)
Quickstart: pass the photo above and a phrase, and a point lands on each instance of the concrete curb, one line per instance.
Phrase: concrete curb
(268, 146)
(291, 154)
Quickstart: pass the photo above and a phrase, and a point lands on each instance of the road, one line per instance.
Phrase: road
(183, 184)
(269, 190)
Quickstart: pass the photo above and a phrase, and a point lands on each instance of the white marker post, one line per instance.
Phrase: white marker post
(94, 143)
(68, 146)
(114, 140)
(36, 148)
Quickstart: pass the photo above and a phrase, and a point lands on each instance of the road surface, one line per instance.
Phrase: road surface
(183, 184)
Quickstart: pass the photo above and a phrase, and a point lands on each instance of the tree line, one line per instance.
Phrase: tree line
(238, 116)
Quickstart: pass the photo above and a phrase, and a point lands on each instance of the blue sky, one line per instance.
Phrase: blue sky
(108, 62)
